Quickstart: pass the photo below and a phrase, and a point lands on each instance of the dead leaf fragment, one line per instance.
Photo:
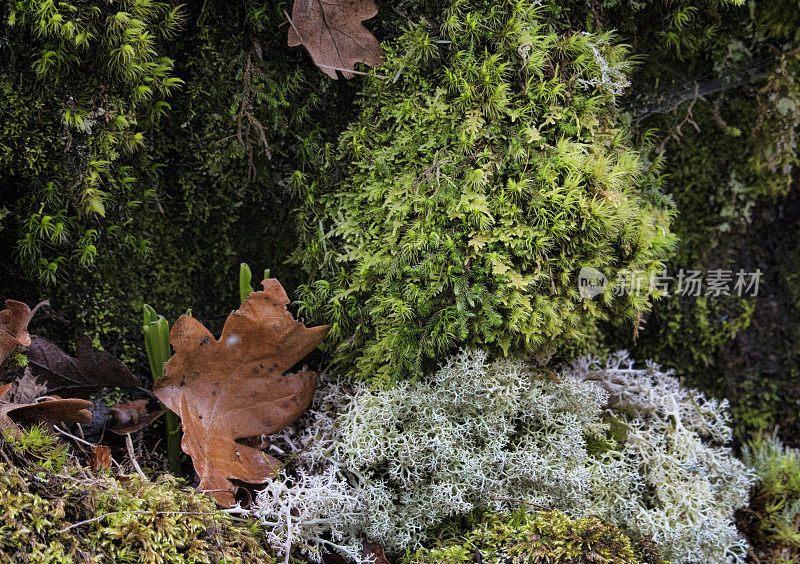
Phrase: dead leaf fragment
(51, 410)
(332, 558)
(236, 387)
(332, 33)
(101, 458)
(80, 376)
(27, 388)
(131, 417)
(14, 327)
(373, 551)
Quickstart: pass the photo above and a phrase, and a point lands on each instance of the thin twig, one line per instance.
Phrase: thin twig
(352, 71)
(87, 443)
(100, 517)
(523, 501)
(129, 444)
(291, 23)
(73, 437)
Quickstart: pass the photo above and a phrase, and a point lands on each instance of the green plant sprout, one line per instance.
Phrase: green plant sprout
(245, 279)
(156, 343)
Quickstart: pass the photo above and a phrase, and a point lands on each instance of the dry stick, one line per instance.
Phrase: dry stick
(353, 71)
(100, 517)
(346, 70)
(129, 444)
(80, 440)
(523, 501)
(291, 23)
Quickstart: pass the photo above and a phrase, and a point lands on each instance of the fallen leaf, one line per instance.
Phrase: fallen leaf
(51, 410)
(27, 388)
(236, 387)
(331, 558)
(101, 458)
(373, 551)
(14, 327)
(332, 33)
(80, 376)
(131, 417)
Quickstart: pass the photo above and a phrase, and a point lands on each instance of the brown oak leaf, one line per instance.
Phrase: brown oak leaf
(27, 388)
(373, 551)
(50, 410)
(235, 387)
(80, 376)
(101, 458)
(131, 417)
(14, 327)
(332, 33)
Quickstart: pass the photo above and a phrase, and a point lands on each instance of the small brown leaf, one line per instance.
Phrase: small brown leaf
(332, 33)
(14, 327)
(374, 551)
(80, 376)
(331, 558)
(101, 458)
(236, 387)
(26, 389)
(132, 417)
(50, 410)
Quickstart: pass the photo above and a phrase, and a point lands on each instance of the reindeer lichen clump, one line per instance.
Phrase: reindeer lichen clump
(631, 446)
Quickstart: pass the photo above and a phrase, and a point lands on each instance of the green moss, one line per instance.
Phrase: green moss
(203, 191)
(17, 360)
(37, 444)
(543, 537)
(614, 437)
(470, 192)
(64, 514)
(772, 520)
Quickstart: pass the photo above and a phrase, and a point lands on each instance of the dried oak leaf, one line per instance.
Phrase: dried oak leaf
(101, 458)
(131, 417)
(50, 410)
(27, 388)
(373, 551)
(332, 33)
(80, 376)
(235, 387)
(14, 327)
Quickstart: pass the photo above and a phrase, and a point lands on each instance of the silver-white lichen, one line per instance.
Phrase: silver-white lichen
(388, 464)
(613, 77)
